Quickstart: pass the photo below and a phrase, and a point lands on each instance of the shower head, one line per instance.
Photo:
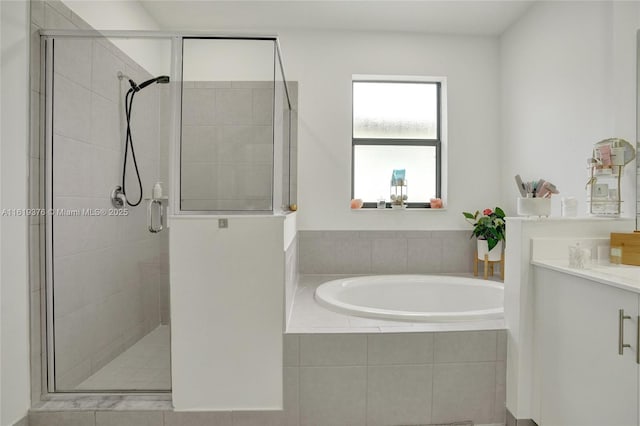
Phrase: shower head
(163, 79)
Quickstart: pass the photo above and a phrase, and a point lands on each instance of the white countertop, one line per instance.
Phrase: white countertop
(625, 277)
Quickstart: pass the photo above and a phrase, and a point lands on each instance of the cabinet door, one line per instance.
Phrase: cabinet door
(584, 379)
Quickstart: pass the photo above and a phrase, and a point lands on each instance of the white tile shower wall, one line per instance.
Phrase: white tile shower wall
(227, 145)
(110, 274)
(385, 252)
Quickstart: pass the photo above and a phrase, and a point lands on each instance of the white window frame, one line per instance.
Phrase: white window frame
(440, 142)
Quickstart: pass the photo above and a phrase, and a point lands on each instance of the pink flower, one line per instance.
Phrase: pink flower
(487, 212)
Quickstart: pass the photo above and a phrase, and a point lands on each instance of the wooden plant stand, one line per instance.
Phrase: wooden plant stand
(488, 265)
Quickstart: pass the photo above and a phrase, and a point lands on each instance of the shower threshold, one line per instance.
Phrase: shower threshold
(104, 402)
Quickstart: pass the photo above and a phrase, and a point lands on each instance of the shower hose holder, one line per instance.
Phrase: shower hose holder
(118, 199)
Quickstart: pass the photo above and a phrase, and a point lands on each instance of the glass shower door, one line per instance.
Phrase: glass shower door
(108, 281)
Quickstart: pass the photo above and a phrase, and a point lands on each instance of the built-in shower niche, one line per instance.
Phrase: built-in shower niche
(236, 127)
(109, 283)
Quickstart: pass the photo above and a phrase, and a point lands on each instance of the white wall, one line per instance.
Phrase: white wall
(228, 60)
(14, 285)
(227, 313)
(153, 55)
(323, 63)
(568, 81)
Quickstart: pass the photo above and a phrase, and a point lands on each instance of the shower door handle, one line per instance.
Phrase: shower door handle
(160, 226)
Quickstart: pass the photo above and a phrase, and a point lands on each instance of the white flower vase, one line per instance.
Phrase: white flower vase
(495, 255)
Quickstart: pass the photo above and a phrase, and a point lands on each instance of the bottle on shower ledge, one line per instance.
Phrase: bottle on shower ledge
(157, 190)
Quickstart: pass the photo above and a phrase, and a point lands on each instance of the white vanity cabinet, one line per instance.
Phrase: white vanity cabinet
(580, 377)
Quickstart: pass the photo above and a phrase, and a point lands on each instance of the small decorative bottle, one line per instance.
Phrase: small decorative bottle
(399, 189)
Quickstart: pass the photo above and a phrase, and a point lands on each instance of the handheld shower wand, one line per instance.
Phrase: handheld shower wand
(163, 79)
(119, 194)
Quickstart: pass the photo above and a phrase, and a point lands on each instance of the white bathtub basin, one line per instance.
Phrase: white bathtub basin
(428, 298)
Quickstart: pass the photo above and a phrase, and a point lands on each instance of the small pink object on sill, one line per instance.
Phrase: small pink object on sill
(436, 203)
(356, 203)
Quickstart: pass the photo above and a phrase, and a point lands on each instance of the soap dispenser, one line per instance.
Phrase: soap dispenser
(157, 190)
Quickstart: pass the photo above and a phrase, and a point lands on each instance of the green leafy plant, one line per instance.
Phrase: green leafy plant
(490, 226)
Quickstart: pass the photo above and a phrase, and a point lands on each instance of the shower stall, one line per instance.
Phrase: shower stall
(140, 126)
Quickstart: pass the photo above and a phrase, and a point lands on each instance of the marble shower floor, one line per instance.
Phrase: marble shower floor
(144, 366)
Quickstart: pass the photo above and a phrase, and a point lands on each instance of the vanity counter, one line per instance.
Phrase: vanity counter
(625, 277)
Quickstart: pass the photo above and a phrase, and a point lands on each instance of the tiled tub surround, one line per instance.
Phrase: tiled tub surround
(106, 272)
(399, 378)
(386, 252)
(359, 371)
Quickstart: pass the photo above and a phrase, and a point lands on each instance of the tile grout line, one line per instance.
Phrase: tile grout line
(298, 380)
(366, 381)
(433, 373)
(495, 380)
(406, 255)
(495, 392)
(298, 393)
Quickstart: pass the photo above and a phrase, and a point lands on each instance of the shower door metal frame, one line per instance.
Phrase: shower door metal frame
(48, 49)
(46, 255)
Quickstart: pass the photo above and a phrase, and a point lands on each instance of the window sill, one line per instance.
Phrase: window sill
(416, 209)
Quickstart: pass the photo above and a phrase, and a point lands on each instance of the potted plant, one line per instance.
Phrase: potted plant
(489, 229)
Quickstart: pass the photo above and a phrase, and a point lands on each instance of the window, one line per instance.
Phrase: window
(396, 125)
